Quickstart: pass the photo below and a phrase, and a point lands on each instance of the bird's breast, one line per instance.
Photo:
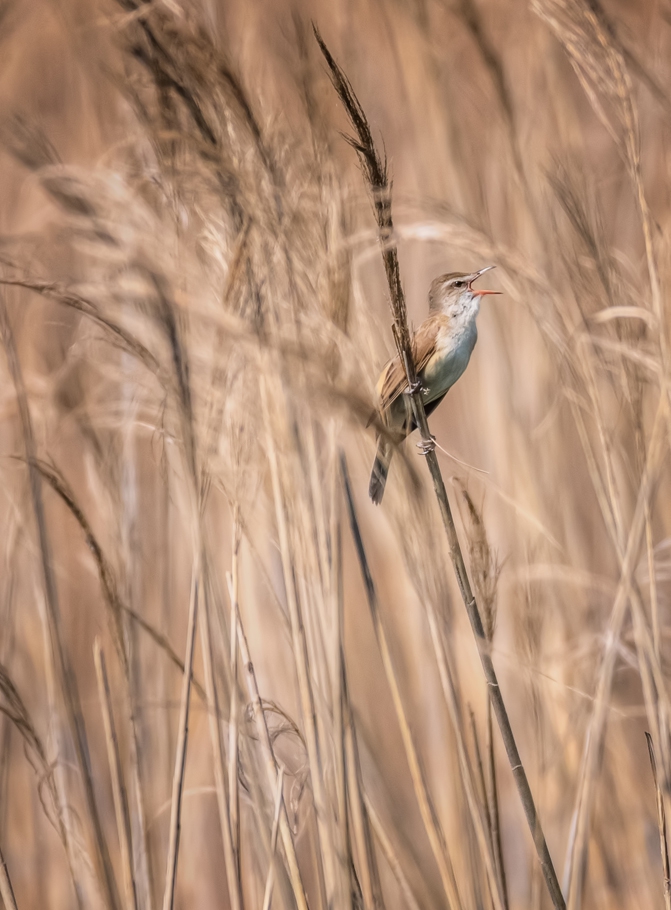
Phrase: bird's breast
(448, 362)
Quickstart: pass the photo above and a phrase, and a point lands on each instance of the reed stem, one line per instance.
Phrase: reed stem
(375, 171)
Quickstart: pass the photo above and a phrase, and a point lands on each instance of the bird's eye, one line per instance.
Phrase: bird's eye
(459, 283)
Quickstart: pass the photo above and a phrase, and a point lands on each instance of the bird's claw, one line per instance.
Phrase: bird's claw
(415, 387)
(426, 445)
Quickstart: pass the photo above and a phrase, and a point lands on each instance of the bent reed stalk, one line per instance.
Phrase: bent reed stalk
(375, 171)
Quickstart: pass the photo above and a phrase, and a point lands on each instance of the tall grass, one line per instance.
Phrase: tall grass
(225, 679)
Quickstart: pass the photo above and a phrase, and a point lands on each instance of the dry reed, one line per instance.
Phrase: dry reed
(192, 321)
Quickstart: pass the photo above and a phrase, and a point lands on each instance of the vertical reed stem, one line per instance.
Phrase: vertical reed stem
(118, 787)
(268, 754)
(219, 762)
(180, 754)
(268, 891)
(234, 708)
(426, 807)
(493, 805)
(661, 816)
(376, 174)
(65, 670)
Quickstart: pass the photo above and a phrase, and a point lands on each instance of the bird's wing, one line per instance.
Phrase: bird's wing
(393, 380)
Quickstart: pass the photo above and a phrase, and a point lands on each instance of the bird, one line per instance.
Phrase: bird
(442, 347)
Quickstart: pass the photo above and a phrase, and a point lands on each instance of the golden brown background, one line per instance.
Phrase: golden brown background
(195, 300)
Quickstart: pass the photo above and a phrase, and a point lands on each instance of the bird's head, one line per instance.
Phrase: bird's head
(454, 294)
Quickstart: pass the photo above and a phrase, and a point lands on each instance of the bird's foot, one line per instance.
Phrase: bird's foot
(427, 445)
(415, 387)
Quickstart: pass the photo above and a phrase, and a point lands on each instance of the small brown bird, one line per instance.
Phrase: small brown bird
(442, 347)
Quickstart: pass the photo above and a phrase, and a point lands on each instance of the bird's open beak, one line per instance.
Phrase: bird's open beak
(476, 275)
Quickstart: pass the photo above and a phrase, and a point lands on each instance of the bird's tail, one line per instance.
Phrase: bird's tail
(378, 477)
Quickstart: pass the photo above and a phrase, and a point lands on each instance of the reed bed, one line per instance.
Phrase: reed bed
(226, 679)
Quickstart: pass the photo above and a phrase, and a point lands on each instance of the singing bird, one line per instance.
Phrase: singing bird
(442, 347)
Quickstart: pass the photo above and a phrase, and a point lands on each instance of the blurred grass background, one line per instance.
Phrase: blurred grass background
(194, 295)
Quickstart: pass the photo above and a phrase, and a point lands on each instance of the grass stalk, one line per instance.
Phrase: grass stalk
(361, 828)
(219, 763)
(141, 865)
(479, 766)
(119, 792)
(301, 657)
(65, 670)
(426, 807)
(268, 890)
(661, 817)
(492, 791)
(270, 761)
(480, 823)
(339, 711)
(180, 752)
(118, 609)
(107, 579)
(390, 855)
(652, 575)
(205, 235)
(64, 811)
(234, 707)
(376, 174)
(578, 839)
